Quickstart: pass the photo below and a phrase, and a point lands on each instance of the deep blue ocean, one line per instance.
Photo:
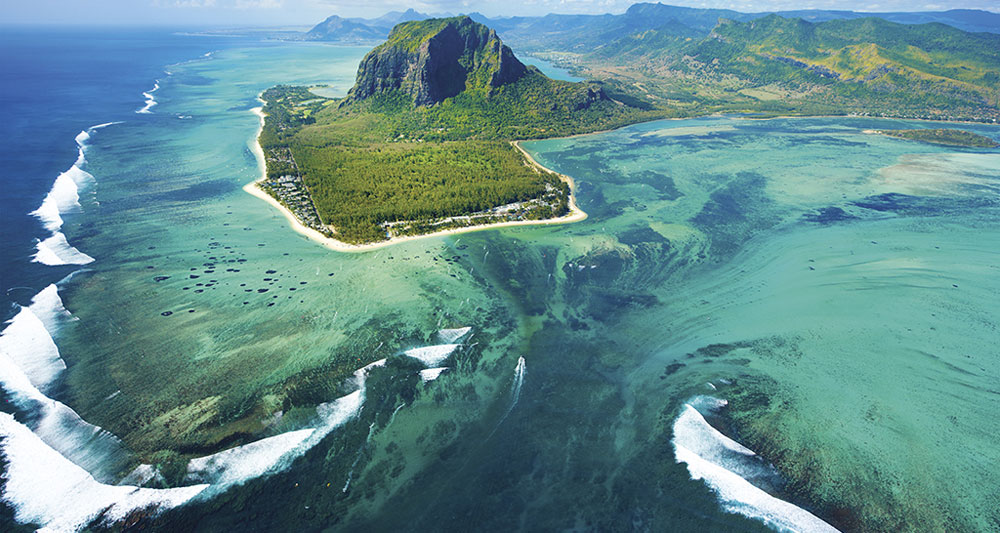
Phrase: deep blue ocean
(823, 295)
(56, 83)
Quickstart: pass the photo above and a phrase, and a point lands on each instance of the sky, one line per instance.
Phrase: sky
(309, 12)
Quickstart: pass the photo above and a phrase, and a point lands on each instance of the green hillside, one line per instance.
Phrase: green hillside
(422, 141)
(866, 65)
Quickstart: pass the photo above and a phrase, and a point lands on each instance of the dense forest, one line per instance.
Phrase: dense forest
(365, 170)
(424, 133)
(382, 163)
(947, 137)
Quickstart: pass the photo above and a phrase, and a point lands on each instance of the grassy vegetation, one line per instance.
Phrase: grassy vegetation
(381, 166)
(947, 137)
(790, 66)
(357, 189)
(371, 162)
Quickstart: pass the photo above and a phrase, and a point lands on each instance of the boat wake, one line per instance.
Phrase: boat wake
(515, 392)
(728, 468)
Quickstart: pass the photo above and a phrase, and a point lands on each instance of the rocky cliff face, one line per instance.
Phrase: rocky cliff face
(435, 59)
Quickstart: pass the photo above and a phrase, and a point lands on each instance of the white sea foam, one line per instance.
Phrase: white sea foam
(450, 336)
(64, 196)
(726, 465)
(432, 356)
(27, 339)
(29, 363)
(336, 413)
(49, 308)
(430, 374)
(56, 467)
(150, 99)
(45, 488)
(241, 463)
(60, 427)
(56, 250)
(141, 475)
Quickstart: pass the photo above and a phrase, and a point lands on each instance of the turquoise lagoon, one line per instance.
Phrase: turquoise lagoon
(823, 296)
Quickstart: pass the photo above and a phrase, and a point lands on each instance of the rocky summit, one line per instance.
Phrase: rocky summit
(432, 60)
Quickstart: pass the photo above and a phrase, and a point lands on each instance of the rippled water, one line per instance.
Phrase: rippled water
(835, 290)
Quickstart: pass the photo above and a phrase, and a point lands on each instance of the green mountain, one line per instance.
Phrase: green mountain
(865, 64)
(335, 28)
(453, 79)
(437, 59)
(422, 142)
(584, 33)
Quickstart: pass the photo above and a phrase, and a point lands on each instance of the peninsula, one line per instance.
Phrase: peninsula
(943, 136)
(425, 141)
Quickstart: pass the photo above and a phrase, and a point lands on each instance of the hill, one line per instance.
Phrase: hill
(584, 33)
(423, 140)
(339, 29)
(778, 64)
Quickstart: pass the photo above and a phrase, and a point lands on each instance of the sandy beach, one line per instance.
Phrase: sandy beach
(575, 213)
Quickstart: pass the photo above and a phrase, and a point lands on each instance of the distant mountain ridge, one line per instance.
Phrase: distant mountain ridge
(581, 33)
(584, 32)
(336, 28)
(853, 65)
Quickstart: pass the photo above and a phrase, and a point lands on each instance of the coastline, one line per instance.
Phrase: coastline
(932, 120)
(575, 213)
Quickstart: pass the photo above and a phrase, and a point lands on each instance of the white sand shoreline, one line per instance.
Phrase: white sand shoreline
(575, 213)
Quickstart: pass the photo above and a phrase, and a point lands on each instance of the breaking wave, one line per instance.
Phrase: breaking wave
(728, 467)
(56, 250)
(44, 487)
(432, 356)
(29, 364)
(244, 462)
(450, 336)
(60, 470)
(430, 374)
(150, 99)
(273, 454)
(63, 198)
